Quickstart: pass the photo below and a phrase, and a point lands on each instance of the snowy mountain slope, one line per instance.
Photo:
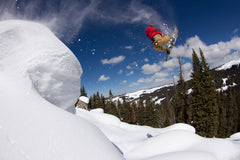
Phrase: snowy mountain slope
(228, 65)
(135, 95)
(178, 141)
(39, 76)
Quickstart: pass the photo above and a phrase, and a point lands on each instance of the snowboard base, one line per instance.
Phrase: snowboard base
(171, 43)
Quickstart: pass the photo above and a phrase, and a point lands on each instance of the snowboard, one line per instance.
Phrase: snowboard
(171, 43)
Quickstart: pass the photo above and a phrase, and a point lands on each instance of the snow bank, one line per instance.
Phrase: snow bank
(184, 156)
(97, 116)
(178, 141)
(235, 137)
(32, 51)
(37, 73)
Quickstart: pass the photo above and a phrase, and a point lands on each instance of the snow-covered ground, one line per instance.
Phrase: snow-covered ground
(178, 141)
(225, 86)
(40, 80)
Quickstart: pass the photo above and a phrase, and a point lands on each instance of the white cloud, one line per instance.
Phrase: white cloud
(103, 78)
(160, 75)
(130, 73)
(215, 54)
(146, 60)
(143, 49)
(123, 82)
(133, 65)
(236, 30)
(149, 69)
(128, 47)
(163, 81)
(186, 66)
(141, 80)
(120, 71)
(156, 78)
(171, 64)
(114, 60)
(187, 71)
(133, 84)
(129, 67)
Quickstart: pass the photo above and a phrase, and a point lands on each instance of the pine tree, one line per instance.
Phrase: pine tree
(222, 128)
(166, 121)
(209, 98)
(166, 114)
(90, 104)
(141, 118)
(93, 102)
(151, 113)
(98, 101)
(203, 98)
(111, 95)
(169, 113)
(238, 108)
(133, 112)
(102, 102)
(125, 111)
(231, 113)
(119, 109)
(83, 91)
(196, 103)
(110, 107)
(234, 105)
(182, 102)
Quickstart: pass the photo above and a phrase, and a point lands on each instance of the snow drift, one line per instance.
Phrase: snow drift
(178, 141)
(39, 74)
(31, 51)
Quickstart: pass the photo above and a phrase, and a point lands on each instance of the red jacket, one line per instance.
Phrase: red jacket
(152, 31)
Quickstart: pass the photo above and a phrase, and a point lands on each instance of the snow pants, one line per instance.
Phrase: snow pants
(159, 41)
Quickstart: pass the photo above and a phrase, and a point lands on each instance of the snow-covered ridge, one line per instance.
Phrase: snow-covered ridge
(228, 65)
(137, 94)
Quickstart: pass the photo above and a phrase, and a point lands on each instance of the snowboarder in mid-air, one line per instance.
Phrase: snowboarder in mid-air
(159, 39)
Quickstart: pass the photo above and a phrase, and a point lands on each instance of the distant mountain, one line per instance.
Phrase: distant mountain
(142, 93)
(224, 76)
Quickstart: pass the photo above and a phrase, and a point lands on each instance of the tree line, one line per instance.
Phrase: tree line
(212, 113)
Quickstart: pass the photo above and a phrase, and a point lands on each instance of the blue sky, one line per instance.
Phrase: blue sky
(211, 21)
(108, 37)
